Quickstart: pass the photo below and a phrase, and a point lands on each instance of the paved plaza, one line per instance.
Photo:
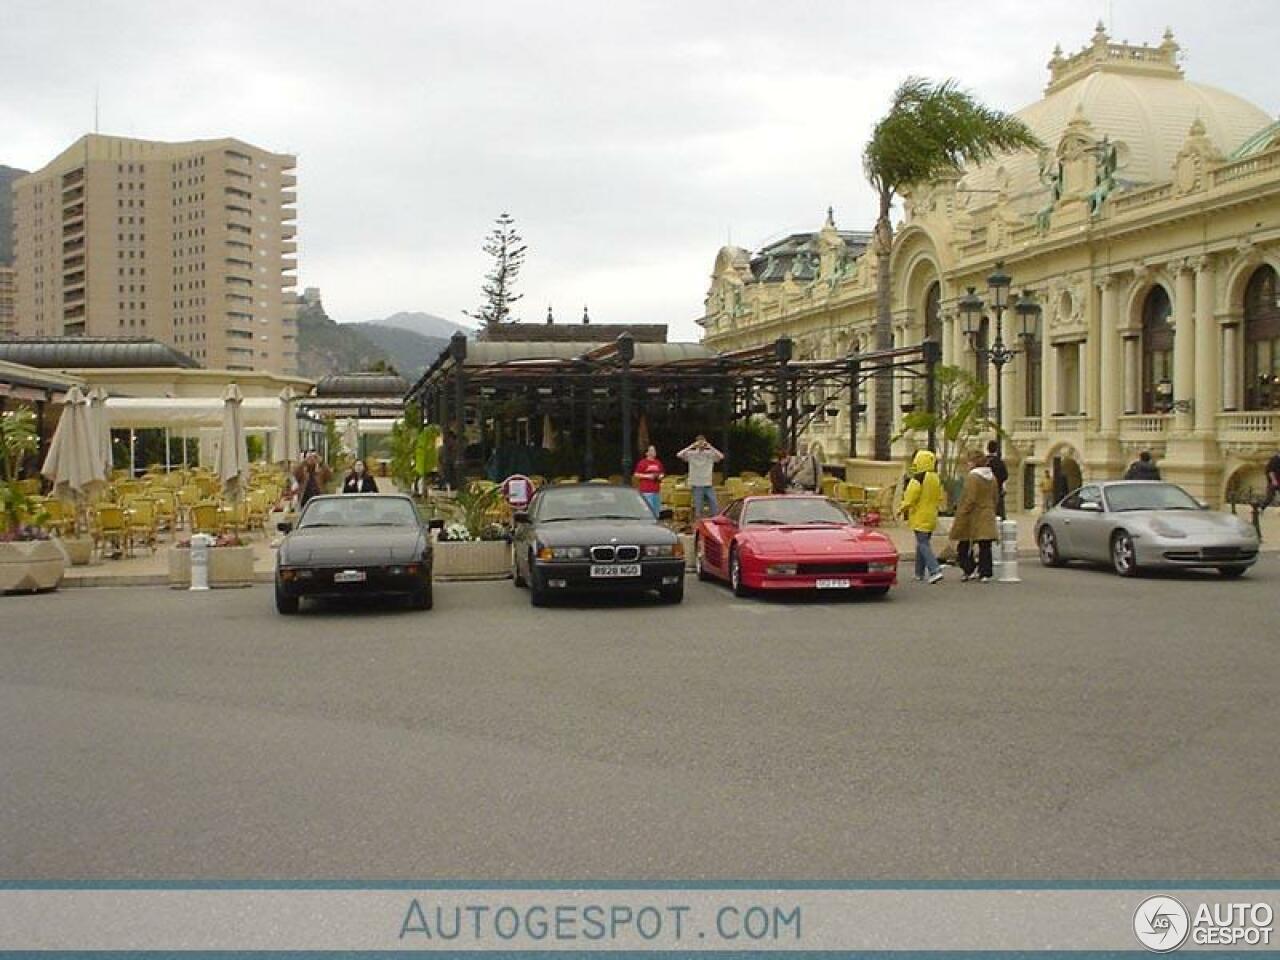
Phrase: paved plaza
(1074, 726)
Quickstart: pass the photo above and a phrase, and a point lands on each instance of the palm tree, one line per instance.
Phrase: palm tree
(931, 129)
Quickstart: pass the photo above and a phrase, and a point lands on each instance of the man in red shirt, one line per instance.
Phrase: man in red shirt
(648, 477)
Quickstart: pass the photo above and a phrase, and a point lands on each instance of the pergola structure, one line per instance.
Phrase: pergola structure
(617, 379)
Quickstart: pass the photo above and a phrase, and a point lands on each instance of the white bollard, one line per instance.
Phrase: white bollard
(200, 544)
(1009, 552)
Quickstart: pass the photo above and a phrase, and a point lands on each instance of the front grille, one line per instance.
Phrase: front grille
(1211, 555)
(607, 553)
(602, 554)
(822, 569)
(627, 554)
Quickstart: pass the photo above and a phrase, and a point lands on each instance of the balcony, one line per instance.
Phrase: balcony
(71, 179)
(288, 197)
(287, 214)
(235, 156)
(237, 264)
(238, 194)
(1068, 423)
(1144, 428)
(288, 180)
(73, 229)
(73, 279)
(73, 195)
(288, 263)
(73, 263)
(73, 246)
(288, 231)
(238, 174)
(1249, 431)
(1027, 426)
(73, 296)
(240, 298)
(289, 246)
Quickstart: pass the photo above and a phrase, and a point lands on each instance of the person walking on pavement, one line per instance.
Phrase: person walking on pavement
(1046, 490)
(975, 520)
(805, 470)
(920, 505)
(1143, 468)
(648, 477)
(1000, 472)
(1273, 482)
(359, 480)
(702, 458)
(311, 476)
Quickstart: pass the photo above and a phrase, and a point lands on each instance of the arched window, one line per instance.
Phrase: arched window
(933, 313)
(1261, 342)
(1157, 352)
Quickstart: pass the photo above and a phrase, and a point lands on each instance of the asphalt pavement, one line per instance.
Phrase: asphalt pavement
(1075, 726)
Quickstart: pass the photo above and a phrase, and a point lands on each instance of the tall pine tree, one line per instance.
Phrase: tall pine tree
(507, 249)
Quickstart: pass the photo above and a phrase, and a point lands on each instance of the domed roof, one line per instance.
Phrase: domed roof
(1136, 96)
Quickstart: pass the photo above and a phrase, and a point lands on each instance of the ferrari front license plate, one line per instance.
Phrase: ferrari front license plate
(349, 576)
(615, 570)
(833, 584)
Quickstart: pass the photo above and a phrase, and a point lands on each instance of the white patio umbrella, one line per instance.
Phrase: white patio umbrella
(351, 436)
(73, 463)
(233, 456)
(288, 426)
(548, 433)
(100, 428)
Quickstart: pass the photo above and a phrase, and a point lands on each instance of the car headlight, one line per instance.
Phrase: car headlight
(1162, 528)
(881, 566)
(665, 550)
(562, 553)
(781, 570)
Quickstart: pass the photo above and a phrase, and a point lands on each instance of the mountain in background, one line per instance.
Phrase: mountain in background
(7, 176)
(426, 324)
(326, 347)
(410, 352)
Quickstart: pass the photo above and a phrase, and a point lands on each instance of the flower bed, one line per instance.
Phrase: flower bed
(230, 563)
(31, 565)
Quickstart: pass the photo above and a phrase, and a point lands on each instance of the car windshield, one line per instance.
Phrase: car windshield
(359, 512)
(1149, 496)
(591, 503)
(794, 510)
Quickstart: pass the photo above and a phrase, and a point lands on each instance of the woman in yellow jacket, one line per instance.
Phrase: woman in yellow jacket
(920, 503)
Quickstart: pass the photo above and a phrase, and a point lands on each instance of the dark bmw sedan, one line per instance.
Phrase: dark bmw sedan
(595, 538)
(354, 545)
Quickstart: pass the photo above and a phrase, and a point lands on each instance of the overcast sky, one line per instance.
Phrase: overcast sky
(630, 140)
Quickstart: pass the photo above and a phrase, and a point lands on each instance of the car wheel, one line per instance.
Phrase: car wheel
(1232, 572)
(1123, 557)
(740, 589)
(876, 591)
(516, 576)
(538, 595)
(673, 593)
(286, 604)
(700, 551)
(1050, 556)
(421, 598)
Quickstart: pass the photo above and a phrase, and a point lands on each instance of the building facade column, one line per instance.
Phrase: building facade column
(1230, 362)
(1207, 349)
(1082, 373)
(1132, 372)
(1048, 380)
(948, 339)
(1109, 358)
(1184, 360)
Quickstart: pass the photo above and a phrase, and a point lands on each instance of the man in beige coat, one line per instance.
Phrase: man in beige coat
(975, 520)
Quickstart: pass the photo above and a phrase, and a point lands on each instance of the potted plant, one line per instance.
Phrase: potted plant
(230, 563)
(29, 560)
(473, 546)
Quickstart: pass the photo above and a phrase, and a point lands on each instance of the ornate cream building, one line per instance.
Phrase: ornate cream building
(1149, 232)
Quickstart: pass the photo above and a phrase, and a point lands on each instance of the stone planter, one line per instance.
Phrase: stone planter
(31, 565)
(79, 550)
(228, 567)
(472, 560)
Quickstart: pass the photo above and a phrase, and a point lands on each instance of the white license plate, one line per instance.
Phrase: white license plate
(349, 576)
(615, 570)
(833, 584)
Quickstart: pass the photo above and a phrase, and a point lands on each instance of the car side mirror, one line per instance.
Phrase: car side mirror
(520, 516)
(1203, 504)
(435, 523)
(1089, 507)
(666, 513)
(284, 526)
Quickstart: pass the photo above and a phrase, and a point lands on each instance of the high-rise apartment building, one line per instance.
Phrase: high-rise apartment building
(192, 244)
(8, 297)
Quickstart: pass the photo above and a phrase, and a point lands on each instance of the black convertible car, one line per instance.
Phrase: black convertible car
(597, 538)
(352, 545)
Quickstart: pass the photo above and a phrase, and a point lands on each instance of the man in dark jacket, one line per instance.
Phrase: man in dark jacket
(1143, 468)
(1000, 472)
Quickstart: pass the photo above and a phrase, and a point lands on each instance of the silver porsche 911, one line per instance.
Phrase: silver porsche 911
(1134, 524)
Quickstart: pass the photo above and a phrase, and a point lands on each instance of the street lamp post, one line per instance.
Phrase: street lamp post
(998, 354)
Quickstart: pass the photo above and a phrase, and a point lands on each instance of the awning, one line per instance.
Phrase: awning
(260, 413)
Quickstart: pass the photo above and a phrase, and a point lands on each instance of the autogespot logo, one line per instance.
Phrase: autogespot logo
(1161, 924)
